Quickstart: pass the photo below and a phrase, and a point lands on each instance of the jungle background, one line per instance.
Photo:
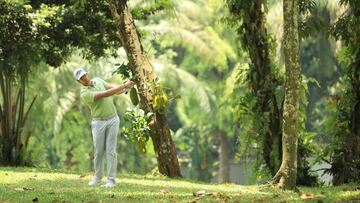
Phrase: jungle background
(219, 62)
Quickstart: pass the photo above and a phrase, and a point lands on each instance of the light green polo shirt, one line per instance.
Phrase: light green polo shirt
(101, 108)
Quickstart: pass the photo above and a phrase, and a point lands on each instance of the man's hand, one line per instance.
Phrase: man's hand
(129, 84)
(111, 90)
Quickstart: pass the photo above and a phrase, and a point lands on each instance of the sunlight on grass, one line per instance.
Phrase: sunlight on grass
(24, 185)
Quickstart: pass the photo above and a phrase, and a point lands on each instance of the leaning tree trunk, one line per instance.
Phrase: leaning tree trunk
(224, 169)
(286, 176)
(143, 75)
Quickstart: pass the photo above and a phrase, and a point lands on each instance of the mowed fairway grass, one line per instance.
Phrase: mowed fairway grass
(44, 185)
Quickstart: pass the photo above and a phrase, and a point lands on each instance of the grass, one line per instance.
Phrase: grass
(44, 185)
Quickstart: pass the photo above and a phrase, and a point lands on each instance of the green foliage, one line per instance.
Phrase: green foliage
(68, 27)
(19, 52)
(72, 143)
(198, 150)
(134, 96)
(179, 49)
(123, 70)
(144, 9)
(341, 109)
(260, 107)
(307, 147)
(33, 32)
(138, 129)
(344, 151)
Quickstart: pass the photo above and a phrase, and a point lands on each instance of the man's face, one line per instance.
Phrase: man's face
(84, 80)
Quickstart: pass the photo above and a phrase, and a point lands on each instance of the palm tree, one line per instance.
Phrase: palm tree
(198, 36)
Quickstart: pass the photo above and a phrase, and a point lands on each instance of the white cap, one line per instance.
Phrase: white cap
(78, 73)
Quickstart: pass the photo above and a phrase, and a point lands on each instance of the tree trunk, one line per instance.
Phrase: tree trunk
(143, 75)
(263, 83)
(286, 176)
(224, 169)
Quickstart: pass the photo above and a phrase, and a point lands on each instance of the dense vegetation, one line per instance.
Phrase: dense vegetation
(269, 85)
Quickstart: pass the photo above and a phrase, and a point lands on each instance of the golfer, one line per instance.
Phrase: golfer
(105, 123)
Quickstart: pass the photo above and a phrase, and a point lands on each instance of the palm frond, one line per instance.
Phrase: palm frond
(189, 85)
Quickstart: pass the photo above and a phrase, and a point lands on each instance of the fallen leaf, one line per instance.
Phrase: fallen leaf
(164, 192)
(35, 199)
(308, 196)
(199, 193)
(195, 200)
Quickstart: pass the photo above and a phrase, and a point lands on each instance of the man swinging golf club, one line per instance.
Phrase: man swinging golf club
(105, 123)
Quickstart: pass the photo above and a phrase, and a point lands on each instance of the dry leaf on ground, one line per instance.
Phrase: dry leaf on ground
(199, 193)
(308, 196)
(164, 192)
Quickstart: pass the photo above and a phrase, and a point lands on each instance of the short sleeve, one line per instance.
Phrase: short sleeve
(87, 96)
(103, 82)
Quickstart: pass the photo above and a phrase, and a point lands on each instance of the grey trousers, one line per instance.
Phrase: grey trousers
(104, 134)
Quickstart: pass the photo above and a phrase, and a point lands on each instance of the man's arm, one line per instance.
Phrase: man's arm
(111, 90)
(109, 86)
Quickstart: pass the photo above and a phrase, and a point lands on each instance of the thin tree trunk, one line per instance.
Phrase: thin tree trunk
(224, 169)
(286, 176)
(143, 75)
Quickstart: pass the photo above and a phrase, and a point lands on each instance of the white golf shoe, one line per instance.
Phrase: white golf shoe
(94, 182)
(109, 184)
